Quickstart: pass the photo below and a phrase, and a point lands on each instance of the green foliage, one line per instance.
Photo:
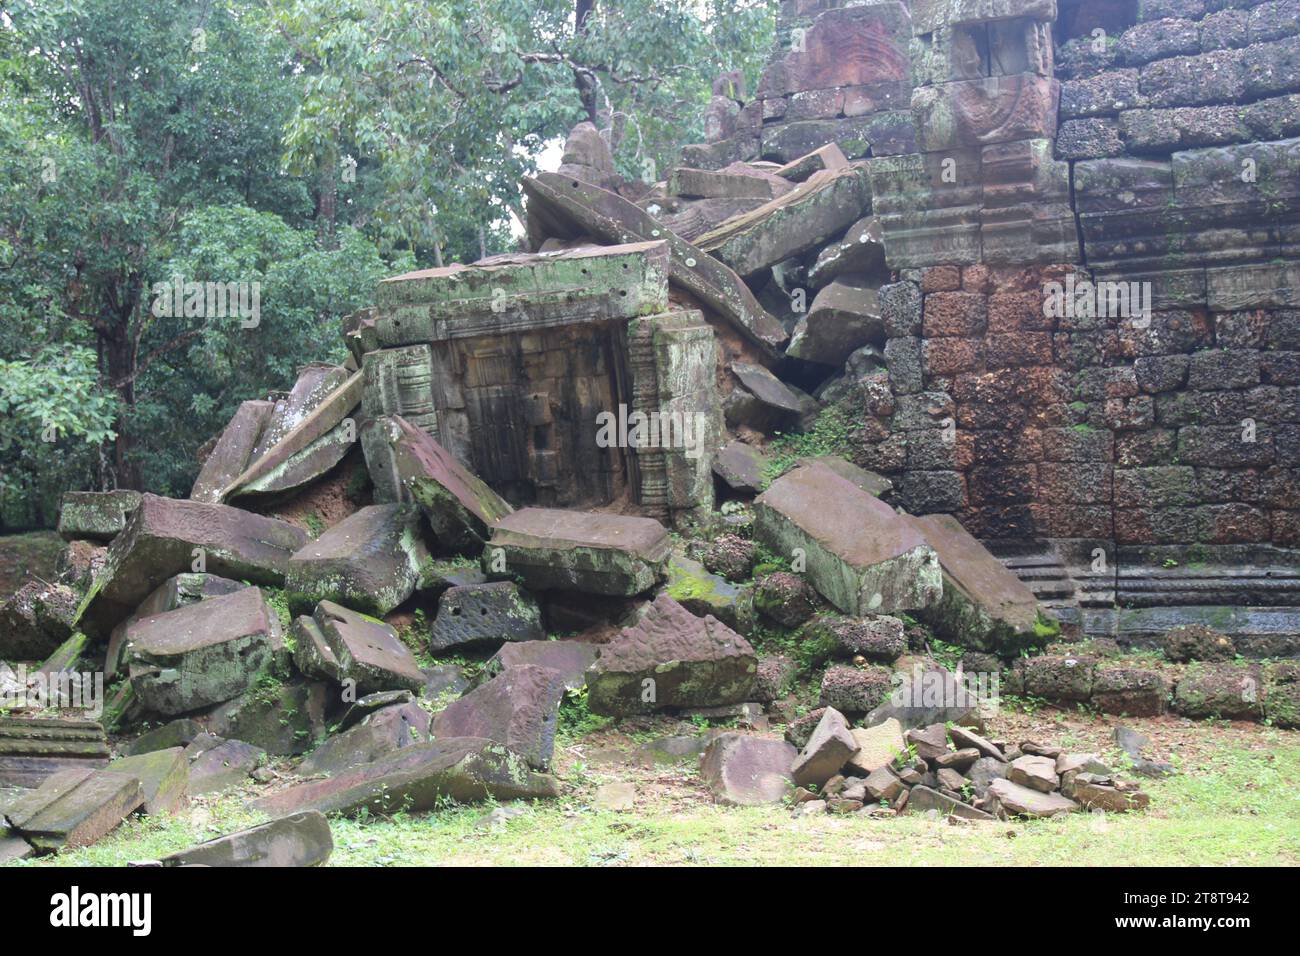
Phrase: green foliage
(831, 434)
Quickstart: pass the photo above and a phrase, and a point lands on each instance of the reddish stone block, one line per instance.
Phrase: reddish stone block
(949, 356)
(1075, 482)
(1286, 528)
(1138, 449)
(1002, 484)
(1155, 525)
(1000, 447)
(1018, 311)
(941, 279)
(1080, 521)
(1234, 524)
(954, 313)
(976, 278)
(1078, 444)
(1015, 349)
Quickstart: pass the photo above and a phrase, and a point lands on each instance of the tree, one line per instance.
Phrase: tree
(458, 98)
(128, 129)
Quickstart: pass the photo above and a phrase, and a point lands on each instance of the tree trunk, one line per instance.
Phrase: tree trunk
(120, 355)
(327, 200)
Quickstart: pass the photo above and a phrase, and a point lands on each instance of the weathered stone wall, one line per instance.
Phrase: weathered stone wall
(1144, 142)
(1025, 425)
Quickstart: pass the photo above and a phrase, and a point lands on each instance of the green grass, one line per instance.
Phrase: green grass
(1235, 804)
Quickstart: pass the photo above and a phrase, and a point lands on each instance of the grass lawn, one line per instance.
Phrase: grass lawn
(1234, 803)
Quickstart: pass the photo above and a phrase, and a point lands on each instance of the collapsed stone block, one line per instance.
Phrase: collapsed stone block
(748, 771)
(164, 777)
(301, 839)
(232, 452)
(671, 658)
(202, 654)
(175, 592)
(95, 515)
(804, 218)
(982, 604)
(842, 318)
(376, 735)
(477, 614)
(418, 778)
(406, 464)
(340, 645)
(860, 555)
(569, 659)
(164, 537)
(517, 708)
(370, 560)
(592, 553)
(35, 620)
(73, 808)
(828, 749)
(33, 749)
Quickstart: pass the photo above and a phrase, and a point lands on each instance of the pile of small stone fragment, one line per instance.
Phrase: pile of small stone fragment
(951, 770)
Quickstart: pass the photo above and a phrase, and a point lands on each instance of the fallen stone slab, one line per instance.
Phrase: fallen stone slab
(859, 554)
(842, 318)
(369, 561)
(748, 771)
(164, 777)
(737, 181)
(861, 252)
(1037, 773)
(177, 591)
(762, 401)
(73, 808)
(95, 515)
(419, 778)
(829, 748)
(217, 764)
(369, 704)
(1019, 801)
(523, 292)
(340, 645)
(742, 467)
(921, 799)
(806, 218)
(878, 745)
(232, 452)
(671, 658)
(315, 383)
(175, 733)
(828, 157)
(930, 743)
(883, 785)
(380, 733)
(963, 737)
(202, 654)
(165, 537)
(36, 619)
(13, 848)
(568, 207)
(569, 659)
(983, 604)
(309, 449)
(517, 708)
(283, 718)
(573, 550)
(35, 748)
(407, 465)
(983, 772)
(301, 839)
(479, 614)
(701, 592)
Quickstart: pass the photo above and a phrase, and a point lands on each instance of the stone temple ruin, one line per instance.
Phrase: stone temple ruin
(1040, 255)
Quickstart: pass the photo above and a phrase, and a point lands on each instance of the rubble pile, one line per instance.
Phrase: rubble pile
(590, 438)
